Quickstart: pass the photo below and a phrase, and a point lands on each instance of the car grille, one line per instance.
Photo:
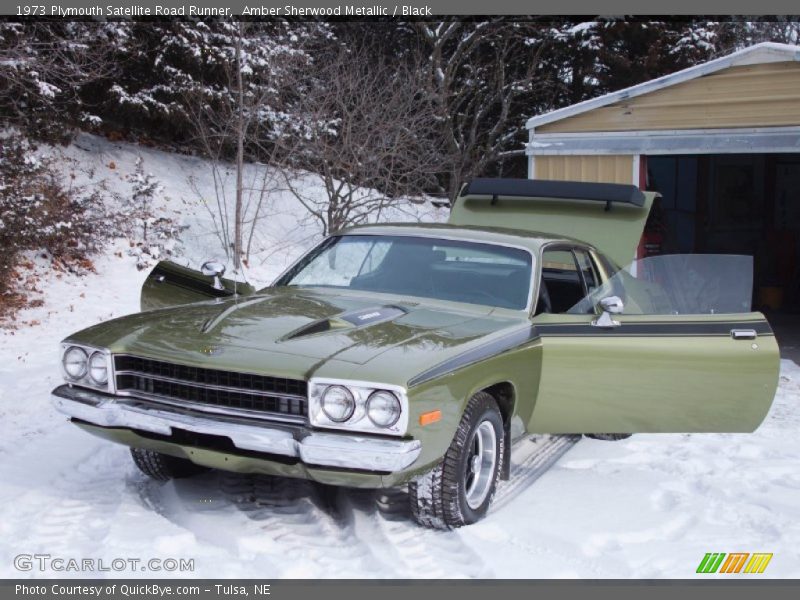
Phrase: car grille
(211, 387)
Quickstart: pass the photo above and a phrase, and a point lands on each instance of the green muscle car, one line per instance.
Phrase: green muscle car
(395, 355)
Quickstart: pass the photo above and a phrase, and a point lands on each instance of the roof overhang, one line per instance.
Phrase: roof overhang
(766, 52)
(683, 141)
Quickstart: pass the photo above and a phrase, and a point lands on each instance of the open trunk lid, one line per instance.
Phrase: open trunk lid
(609, 216)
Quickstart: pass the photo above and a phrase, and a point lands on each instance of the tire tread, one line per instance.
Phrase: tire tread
(434, 497)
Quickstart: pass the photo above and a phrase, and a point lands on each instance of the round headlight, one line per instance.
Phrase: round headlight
(338, 403)
(383, 408)
(98, 368)
(74, 362)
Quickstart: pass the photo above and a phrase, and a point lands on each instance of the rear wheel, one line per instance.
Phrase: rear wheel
(163, 467)
(459, 490)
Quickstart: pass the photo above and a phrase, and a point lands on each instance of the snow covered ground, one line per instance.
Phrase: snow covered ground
(650, 506)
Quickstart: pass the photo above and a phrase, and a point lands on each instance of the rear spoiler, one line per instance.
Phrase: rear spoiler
(554, 190)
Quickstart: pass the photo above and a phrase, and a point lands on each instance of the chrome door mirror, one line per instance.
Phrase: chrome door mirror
(611, 305)
(215, 269)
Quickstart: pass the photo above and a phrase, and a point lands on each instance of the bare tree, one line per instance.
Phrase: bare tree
(238, 120)
(365, 136)
(477, 74)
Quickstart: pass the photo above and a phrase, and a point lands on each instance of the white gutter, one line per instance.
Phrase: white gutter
(673, 141)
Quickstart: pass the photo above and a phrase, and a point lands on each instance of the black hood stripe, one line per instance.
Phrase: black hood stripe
(488, 350)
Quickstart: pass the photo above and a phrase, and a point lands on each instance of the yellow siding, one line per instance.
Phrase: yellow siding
(764, 95)
(605, 169)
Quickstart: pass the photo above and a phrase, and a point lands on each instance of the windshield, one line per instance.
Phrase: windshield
(679, 284)
(419, 266)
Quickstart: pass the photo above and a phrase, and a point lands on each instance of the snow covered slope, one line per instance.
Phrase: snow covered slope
(650, 506)
(189, 195)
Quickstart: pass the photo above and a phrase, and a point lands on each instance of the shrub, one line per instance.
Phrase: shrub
(38, 212)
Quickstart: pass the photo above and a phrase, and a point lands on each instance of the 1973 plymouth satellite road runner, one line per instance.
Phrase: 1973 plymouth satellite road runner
(416, 354)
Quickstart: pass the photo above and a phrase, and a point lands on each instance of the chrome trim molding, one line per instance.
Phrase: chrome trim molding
(254, 415)
(317, 449)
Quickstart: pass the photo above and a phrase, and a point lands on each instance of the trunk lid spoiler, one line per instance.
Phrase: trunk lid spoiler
(608, 216)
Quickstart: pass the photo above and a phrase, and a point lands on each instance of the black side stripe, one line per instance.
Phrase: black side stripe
(663, 329)
(533, 333)
(493, 348)
(188, 283)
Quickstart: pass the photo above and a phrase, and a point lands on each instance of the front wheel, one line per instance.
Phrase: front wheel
(459, 490)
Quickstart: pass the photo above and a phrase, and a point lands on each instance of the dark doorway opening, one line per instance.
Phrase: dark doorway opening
(735, 204)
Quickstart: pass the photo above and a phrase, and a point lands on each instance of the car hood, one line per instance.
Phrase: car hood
(293, 332)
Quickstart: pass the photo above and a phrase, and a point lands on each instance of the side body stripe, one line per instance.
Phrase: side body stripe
(650, 329)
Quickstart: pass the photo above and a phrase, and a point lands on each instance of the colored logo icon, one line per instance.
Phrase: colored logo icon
(734, 562)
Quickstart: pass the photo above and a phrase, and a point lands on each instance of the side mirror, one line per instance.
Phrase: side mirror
(611, 305)
(215, 269)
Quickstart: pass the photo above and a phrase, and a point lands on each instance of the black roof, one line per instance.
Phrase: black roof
(567, 190)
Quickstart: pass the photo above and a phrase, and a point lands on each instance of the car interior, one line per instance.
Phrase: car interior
(427, 271)
(568, 276)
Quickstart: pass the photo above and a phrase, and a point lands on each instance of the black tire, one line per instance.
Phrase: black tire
(163, 467)
(608, 437)
(439, 498)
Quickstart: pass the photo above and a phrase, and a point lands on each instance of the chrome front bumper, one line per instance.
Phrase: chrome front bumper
(338, 450)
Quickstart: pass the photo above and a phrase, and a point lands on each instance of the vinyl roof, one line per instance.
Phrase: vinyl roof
(765, 52)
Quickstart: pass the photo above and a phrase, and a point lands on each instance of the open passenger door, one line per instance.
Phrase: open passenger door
(668, 344)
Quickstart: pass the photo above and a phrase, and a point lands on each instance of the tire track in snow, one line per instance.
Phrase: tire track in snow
(434, 554)
(530, 459)
(303, 521)
(346, 532)
(73, 512)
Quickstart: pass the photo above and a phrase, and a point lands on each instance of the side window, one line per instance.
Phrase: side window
(679, 284)
(588, 270)
(561, 286)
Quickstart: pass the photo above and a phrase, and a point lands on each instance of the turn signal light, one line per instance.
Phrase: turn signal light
(430, 417)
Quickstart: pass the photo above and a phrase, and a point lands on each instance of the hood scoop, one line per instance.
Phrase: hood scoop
(348, 320)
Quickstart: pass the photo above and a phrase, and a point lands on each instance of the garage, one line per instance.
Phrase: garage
(720, 142)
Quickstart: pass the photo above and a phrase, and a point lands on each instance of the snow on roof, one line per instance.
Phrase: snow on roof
(765, 52)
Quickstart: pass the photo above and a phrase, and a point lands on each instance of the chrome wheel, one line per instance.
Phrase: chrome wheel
(480, 464)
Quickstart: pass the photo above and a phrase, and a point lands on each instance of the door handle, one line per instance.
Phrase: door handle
(743, 334)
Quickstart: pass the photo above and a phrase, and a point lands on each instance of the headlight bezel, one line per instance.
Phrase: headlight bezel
(86, 379)
(359, 420)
